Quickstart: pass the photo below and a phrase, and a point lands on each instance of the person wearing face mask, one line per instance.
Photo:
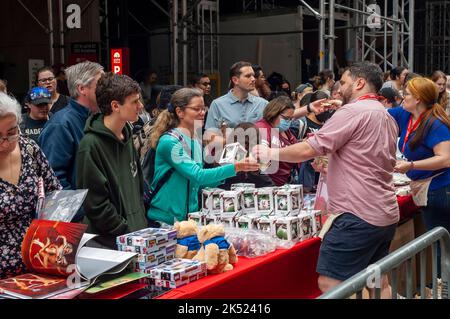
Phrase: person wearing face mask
(277, 118)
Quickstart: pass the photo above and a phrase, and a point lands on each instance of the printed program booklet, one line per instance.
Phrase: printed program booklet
(58, 261)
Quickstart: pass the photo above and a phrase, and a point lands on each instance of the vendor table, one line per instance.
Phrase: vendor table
(284, 273)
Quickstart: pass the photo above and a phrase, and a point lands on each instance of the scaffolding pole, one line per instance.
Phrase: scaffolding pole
(399, 29)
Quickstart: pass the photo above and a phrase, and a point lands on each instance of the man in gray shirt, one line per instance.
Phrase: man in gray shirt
(237, 106)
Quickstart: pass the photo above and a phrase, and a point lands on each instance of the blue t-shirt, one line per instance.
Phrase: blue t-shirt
(438, 133)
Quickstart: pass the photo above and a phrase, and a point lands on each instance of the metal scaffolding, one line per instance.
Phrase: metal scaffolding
(194, 31)
(389, 41)
(437, 46)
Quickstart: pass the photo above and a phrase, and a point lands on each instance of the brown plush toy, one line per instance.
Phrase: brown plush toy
(216, 251)
(187, 241)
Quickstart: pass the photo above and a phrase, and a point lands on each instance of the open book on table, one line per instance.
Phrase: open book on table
(58, 261)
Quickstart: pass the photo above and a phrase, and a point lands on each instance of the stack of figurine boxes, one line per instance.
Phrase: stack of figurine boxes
(197, 217)
(231, 206)
(264, 201)
(178, 272)
(153, 245)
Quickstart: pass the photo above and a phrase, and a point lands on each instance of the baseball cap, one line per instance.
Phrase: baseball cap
(38, 95)
(390, 94)
(302, 87)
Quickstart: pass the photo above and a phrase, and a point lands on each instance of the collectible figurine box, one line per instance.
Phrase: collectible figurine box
(178, 269)
(242, 186)
(287, 201)
(264, 200)
(179, 283)
(232, 153)
(287, 228)
(148, 237)
(230, 203)
(306, 225)
(198, 218)
(211, 200)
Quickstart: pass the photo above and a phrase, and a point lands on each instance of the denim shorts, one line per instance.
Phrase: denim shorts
(351, 245)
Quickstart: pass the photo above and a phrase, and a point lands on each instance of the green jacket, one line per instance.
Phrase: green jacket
(169, 204)
(110, 169)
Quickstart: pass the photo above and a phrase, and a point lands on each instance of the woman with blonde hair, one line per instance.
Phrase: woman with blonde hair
(178, 169)
(425, 142)
(440, 79)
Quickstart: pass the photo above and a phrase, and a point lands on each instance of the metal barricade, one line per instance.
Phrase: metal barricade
(390, 263)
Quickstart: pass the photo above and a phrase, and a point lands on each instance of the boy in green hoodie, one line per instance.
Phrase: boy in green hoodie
(108, 165)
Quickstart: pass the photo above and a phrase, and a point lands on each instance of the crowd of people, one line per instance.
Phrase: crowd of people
(358, 121)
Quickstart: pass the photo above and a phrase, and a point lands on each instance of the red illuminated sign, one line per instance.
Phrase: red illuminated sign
(120, 61)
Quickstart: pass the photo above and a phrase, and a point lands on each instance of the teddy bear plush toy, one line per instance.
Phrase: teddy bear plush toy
(187, 241)
(216, 251)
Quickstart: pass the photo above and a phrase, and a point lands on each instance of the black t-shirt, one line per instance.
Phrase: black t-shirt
(31, 128)
(311, 127)
(60, 103)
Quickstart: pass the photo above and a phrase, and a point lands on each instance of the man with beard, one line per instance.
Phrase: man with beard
(360, 141)
(38, 101)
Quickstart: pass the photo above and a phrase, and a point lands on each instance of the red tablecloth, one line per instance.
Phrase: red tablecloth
(285, 273)
(407, 207)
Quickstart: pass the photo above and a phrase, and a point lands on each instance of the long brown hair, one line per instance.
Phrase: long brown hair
(443, 96)
(168, 119)
(426, 91)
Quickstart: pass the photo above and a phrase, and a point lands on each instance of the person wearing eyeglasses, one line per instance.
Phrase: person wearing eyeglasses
(38, 101)
(179, 159)
(203, 83)
(22, 165)
(276, 121)
(45, 77)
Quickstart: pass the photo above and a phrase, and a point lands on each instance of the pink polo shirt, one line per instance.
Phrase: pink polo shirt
(360, 141)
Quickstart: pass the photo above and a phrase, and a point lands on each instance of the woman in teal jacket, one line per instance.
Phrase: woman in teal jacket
(178, 149)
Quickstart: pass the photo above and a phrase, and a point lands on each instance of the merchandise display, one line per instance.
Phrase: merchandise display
(232, 153)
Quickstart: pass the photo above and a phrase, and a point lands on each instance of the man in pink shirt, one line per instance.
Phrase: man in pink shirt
(360, 141)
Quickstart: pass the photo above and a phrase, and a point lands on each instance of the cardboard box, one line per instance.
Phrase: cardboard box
(211, 200)
(146, 250)
(178, 269)
(287, 201)
(198, 218)
(247, 221)
(317, 219)
(264, 200)
(248, 200)
(212, 219)
(178, 283)
(232, 153)
(230, 203)
(266, 224)
(287, 228)
(306, 225)
(242, 186)
(148, 237)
